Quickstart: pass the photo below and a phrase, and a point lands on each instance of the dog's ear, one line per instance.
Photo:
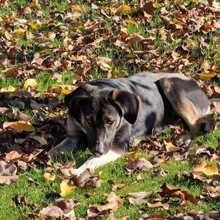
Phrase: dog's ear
(73, 104)
(128, 103)
(68, 100)
(80, 93)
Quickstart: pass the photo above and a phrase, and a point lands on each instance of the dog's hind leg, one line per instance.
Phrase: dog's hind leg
(189, 102)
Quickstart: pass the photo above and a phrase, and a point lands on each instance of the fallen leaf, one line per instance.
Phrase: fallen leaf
(149, 7)
(66, 188)
(40, 139)
(93, 212)
(20, 32)
(165, 206)
(168, 191)
(121, 9)
(49, 176)
(133, 166)
(52, 211)
(118, 186)
(211, 191)
(138, 198)
(19, 126)
(170, 147)
(7, 169)
(7, 180)
(130, 21)
(82, 179)
(8, 89)
(12, 156)
(30, 83)
(87, 181)
(209, 169)
(114, 202)
(207, 76)
(20, 200)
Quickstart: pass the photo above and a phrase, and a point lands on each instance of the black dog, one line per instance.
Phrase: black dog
(106, 115)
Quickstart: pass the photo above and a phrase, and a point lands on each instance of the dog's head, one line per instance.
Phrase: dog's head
(101, 115)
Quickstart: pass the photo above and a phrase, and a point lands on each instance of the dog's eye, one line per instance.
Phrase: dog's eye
(109, 122)
(89, 120)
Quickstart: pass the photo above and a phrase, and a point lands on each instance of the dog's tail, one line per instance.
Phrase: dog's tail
(206, 123)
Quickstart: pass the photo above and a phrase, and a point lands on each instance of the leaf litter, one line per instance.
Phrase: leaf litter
(27, 136)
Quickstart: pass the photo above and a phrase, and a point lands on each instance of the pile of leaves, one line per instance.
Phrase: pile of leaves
(48, 49)
(160, 35)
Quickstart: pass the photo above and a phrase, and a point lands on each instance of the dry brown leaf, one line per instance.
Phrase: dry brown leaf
(7, 169)
(114, 202)
(138, 198)
(149, 7)
(12, 156)
(87, 181)
(52, 211)
(118, 186)
(168, 191)
(216, 107)
(7, 180)
(165, 206)
(213, 192)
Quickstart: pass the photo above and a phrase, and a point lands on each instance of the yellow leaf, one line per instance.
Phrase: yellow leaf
(122, 8)
(130, 21)
(76, 7)
(105, 65)
(66, 91)
(207, 76)
(20, 32)
(61, 89)
(124, 30)
(30, 83)
(171, 148)
(66, 188)
(49, 176)
(19, 126)
(35, 4)
(35, 26)
(8, 89)
(209, 169)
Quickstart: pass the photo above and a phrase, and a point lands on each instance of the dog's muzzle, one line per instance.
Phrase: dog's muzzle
(100, 148)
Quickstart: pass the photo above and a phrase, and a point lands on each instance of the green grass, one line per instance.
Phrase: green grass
(38, 188)
(124, 62)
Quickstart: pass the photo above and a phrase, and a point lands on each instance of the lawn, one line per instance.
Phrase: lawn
(49, 48)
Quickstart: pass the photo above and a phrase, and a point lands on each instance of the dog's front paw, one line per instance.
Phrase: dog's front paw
(56, 151)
